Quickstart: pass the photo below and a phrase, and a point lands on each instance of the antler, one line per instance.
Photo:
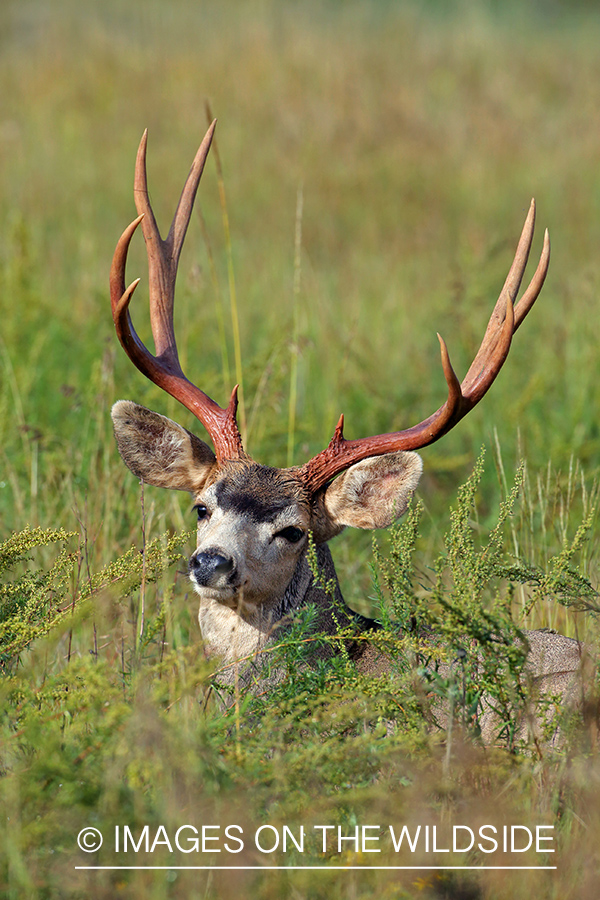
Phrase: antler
(504, 321)
(164, 369)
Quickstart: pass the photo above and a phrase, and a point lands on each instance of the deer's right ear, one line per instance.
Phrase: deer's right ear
(158, 450)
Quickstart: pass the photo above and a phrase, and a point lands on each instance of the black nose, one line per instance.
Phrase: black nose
(208, 566)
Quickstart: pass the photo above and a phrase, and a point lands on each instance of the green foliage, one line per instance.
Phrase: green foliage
(469, 609)
(562, 579)
(122, 729)
(37, 601)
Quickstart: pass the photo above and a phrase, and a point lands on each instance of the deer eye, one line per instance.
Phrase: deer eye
(201, 510)
(291, 534)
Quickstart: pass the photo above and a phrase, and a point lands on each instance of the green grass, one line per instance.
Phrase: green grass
(415, 135)
(107, 720)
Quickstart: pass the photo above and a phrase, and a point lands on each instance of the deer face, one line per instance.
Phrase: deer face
(253, 524)
(254, 520)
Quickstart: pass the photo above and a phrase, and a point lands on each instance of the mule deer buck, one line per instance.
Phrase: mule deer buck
(250, 567)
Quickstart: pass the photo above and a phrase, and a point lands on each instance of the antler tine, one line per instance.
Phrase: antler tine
(506, 317)
(164, 369)
(163, 255)
(535, 285)
(120, 299)
(504, 321)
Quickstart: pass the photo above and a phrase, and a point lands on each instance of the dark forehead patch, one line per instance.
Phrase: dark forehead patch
(260, 492)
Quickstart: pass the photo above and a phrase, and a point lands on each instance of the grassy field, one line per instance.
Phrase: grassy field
(378, 163)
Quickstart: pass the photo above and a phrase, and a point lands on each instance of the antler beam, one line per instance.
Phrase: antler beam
(504, 321)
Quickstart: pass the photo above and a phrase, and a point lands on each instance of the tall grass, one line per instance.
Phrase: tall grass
(418, 143)
(378, 161)
(108, 719)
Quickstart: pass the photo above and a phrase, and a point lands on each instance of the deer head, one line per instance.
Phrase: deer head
(253, 520)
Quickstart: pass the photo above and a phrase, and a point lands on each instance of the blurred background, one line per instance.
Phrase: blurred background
(378, 160)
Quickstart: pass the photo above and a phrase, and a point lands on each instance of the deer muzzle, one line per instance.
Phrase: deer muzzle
(211, 568)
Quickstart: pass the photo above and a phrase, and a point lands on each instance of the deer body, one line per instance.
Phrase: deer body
(250, 567)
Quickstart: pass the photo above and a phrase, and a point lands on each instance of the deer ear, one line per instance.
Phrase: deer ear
(374, 492)
(160, 451)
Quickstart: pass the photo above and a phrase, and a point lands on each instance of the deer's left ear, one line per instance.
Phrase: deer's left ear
(372, 493)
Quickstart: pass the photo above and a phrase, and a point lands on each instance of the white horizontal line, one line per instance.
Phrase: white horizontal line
(325, 868)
